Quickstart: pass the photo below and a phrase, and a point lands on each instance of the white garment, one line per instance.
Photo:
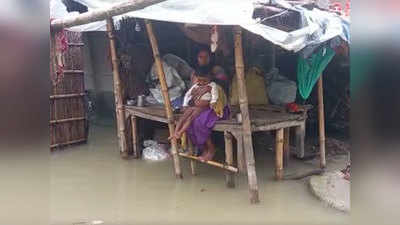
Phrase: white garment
(212, 97)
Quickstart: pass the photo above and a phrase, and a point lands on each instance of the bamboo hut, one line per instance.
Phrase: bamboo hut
(237, 15)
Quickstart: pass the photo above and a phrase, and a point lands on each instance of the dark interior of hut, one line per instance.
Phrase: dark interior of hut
(136, 60)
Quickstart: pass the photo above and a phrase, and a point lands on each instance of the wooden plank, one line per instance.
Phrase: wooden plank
(229, 178)
(147, 115)
(244, 108)
(68, 143)
(101, 14)
(260, 124)
(67, 96)
(279, 154)
(167, 102)
(211, 163)
(67, 120)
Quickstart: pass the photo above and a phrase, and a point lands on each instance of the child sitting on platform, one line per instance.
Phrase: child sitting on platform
(200, 97)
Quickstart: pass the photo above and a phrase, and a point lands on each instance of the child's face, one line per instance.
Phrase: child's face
(202, 81)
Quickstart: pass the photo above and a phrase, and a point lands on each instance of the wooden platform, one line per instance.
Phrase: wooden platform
(263, 118)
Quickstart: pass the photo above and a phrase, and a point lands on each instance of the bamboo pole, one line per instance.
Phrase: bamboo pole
(192, 152)
(244, 108)
(119, 108)
(211, 163)
(135, 141)
(102, 14)
(286, 147)
(321, 122)
(229, 178)
(167, 102)
(67, 96)
(67, 120)
(300, 136)
(279, 154)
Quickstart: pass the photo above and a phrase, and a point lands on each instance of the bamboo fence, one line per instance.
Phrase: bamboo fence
(68, 123)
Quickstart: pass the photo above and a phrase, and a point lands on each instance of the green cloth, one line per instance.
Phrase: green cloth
(309, 70)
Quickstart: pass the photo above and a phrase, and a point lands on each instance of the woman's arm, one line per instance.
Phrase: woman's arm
(202, 103)
(187, 96)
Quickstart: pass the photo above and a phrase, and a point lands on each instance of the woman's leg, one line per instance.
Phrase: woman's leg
(186, 114)
(185, 125)
(210, 150)
(204, 153)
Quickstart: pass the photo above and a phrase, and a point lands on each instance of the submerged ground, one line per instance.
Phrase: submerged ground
(92, 183)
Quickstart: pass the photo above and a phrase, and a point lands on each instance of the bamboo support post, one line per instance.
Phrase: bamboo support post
(167, 102)
(321, 122)
(300, 136)
(244, 108)
(211, 163)
(241, 161)
(229, 178)
(192, 152)
(135, 138)
(119, 108)
(286, 147)
(279, 154)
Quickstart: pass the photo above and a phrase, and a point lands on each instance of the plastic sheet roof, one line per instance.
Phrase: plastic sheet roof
(318, 26)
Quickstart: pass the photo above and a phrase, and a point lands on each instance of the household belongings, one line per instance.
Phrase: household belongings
(154, 151)
(309, 69)
(176, 86)
(255, 87)
(181, 66)
(280, 89)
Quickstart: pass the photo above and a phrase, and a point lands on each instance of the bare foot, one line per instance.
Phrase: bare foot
(209, 156)
(203, 155)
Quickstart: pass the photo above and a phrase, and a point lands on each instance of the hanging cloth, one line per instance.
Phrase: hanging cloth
(309, 69)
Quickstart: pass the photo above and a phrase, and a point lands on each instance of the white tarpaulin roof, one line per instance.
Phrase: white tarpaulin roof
(319, 26)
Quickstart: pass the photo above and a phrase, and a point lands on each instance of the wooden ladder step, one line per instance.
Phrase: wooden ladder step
(211, 163)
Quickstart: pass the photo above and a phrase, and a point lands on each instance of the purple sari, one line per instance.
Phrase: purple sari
(200, 128)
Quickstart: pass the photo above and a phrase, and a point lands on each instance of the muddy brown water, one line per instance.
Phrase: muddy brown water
(92, 183)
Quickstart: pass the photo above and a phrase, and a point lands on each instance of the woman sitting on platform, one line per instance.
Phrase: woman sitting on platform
(200, 127)
(200, 97)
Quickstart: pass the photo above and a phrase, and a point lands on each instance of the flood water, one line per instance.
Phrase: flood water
(92, 183)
